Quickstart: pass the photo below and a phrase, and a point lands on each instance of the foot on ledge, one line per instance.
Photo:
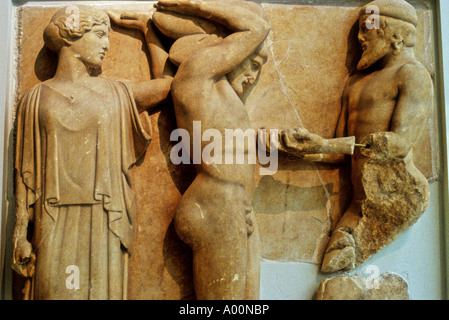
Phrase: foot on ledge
(340, 252)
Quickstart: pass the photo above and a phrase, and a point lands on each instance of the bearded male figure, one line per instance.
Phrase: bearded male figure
(384, 105)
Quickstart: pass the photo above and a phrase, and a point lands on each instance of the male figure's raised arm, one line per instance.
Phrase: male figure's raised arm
(248, 31)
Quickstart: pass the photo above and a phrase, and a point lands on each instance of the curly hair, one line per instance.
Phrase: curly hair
(62, 30)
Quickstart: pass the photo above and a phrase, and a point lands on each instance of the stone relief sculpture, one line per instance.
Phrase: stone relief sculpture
(385, 106)
(220, 50)
(388, 286)
(78, 135)
(215, 74)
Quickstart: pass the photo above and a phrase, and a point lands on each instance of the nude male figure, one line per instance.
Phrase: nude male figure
(219, 51)
(214, 216)
(216, 73)
(385, 106)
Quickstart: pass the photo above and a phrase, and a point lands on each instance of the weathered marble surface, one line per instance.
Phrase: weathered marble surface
(158, 269)
(386, 104)
(304, 77)
(388, 286)
(314, 49)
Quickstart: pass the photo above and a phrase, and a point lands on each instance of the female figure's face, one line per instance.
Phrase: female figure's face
(92, 46)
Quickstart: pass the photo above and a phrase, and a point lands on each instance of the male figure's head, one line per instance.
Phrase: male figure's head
(386, 27)
(243, 78)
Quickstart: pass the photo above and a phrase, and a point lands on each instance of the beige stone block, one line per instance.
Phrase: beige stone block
(312, 52)
(160, 266)
(389, 286)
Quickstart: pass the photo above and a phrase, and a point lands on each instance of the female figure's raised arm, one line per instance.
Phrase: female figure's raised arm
(150, 93)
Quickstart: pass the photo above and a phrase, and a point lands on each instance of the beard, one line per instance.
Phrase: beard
(372, 55)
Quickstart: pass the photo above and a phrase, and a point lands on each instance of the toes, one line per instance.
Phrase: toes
(340, 253)
(339, 260)
(340, 239)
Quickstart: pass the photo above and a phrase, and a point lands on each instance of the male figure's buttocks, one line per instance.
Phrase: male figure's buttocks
(214, 215)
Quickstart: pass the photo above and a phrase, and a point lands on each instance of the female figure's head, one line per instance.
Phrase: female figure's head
(81, 29)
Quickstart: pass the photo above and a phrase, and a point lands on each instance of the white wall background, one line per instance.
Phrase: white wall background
(418, 255)
(444, 36)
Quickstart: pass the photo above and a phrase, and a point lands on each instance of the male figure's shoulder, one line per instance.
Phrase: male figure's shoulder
(414, 77)
(412, 69)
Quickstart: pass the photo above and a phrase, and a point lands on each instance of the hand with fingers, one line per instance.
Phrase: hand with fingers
(23, 258)
(179, 6)
(300, 141)
(132, 19)
(249, 218)
(384, 145)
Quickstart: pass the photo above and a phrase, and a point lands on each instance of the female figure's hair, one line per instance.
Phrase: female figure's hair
(71, 23)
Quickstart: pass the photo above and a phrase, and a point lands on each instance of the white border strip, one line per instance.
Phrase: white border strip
(7, 37)
(7, 80)
(443, 49)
